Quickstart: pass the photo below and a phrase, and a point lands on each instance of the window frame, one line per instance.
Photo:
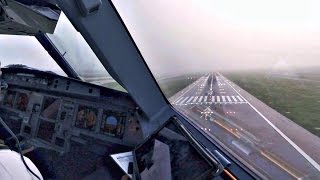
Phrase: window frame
(122, 59)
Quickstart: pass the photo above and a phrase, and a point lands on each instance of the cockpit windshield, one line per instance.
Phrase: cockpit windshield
(244, 72)
(79, 55)
(27, 52)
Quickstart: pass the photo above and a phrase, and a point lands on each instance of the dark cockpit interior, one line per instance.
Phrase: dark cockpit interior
(66, 118)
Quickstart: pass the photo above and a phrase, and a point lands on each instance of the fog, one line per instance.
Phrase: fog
(183, 36)
(190, 35)
(28, 51)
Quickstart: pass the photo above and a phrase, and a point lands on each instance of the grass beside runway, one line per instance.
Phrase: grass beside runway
(298, 100)
(171, 86)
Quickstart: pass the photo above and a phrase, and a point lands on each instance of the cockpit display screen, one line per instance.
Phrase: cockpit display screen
(22, 101)
(86, 117)
(112, 123)
(50, 107)
(9, 98)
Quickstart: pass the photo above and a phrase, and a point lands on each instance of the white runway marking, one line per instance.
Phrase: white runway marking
(184, 100)
(223, 99)
(205, 99)
(195, 99)
(239, 98)
(190, 99)
(234, 98)
(218, 99)
(178, 100)
(294, 145)
(200, 98)
(228, 98)
(212, 98)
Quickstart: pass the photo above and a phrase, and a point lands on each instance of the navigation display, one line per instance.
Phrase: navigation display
(86, 117)
(50, 107)
(9, 98)
(46, 130)
(22, 101)
(112, 123)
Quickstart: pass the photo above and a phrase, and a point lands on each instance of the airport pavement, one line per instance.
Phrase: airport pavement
(251, 130)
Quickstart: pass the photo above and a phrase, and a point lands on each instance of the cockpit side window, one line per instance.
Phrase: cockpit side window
(26, 51)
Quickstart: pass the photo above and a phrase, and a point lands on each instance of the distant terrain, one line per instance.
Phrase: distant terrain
(296, 97)
(171, 85)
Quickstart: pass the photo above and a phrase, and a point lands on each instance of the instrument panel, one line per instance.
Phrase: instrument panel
(53, 111)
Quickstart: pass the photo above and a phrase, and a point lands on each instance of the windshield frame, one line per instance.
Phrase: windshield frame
(56, 55)
(147, 94)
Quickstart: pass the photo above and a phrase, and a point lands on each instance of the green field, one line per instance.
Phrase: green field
(169, 86)
(173, 85)
(299, 100)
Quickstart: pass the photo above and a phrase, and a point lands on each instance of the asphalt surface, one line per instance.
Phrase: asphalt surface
(262, 138)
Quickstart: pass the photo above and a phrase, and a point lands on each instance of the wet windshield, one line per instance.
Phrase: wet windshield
(79, 55)
(26, 51)
(245, 72)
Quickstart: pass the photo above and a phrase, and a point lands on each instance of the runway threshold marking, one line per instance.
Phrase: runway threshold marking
(234, 98)
(190, 99)
(223, 99)
(195, 99)
(200, 98)
(228, 98)
(178, 100)
(184, 100)
(294, 145)
(205, 99)
(240, 98)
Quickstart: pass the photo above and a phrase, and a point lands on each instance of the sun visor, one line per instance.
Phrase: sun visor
(26, 17)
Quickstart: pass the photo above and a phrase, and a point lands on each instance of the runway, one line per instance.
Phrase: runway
(263, 138)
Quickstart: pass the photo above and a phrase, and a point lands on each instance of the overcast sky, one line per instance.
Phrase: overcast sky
(186, 35)
(191, 35)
